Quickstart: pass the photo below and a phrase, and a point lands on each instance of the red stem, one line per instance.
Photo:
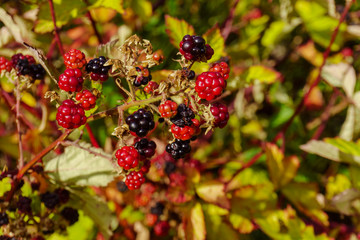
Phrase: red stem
(57, 37)
(92, 136)
(93, 24)
(318, 77)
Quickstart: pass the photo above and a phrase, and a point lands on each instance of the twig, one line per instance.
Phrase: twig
(93, 24)
(131, 90)
(17, 108)
(92, 136)
(227, 25)
(318, 77)
(118, 83)
(56, 29)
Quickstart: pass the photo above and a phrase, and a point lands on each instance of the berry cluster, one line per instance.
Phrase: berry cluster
(222, 68)
(127, 157)
(151, 87)
(210, 85)
(184, 116)
(168, 109)
(134, 180)
(140, 122)
(70, 115)
(178, 148)
(74, 59)
(24, 64)
(186, 132)
(194, 48)
(220, 113)
(71, 80)
(86, 99)
(145, 147)
(143, 76)
(97, 69)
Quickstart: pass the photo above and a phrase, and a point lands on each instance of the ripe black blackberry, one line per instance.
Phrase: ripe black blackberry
(183, 117)
(63, 194)
(4, 219)
(23, 67)
(70, 214)
(24, 204)
(170, 167)
(145, 147)
(140, 122)
(194, 48)
(37, 71)
(50, 199)
(178, 148)
(97, 69)
(157, 209)
(121, 186)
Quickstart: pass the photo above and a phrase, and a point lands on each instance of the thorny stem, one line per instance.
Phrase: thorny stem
(318, 77)
(92, 136)
(18, 96)
(56, 29)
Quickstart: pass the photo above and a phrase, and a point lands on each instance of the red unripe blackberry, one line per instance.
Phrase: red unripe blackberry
(74, 59)
(220, 113)
(15, 58)
(86, 99)
(70, 115)
(151, 219)
(151, 87)
(221, 68)
(134, 180)
(186, 132)
(178, 148)
(158, 57)
(145, 147)
(127, 157)
(5, 64)
(162, 228)
(140, 122)
(71, 80)
(210, 85)
(168, 109)
(194, 48)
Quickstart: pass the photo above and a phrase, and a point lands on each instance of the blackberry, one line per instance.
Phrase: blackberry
(37, 71)
(127, 157)
(97, 69)
(63, 194)
(134, 180)
(191, 75)
(186, 132)
(161, 120)
(178, 148)
(70, 115)
(74, 59)
(50, 199)
(170, 167)
(210, 85)
(121, 186)
(143, 76)
(157, 209)
(146, 166)
(220, 113)
(24, 204)
(4, 219)
(145, 147)
(38, 169)
(162, 228)
(183, 117)
(70, 214)
(140, 122)
(5, 64)
(23, 67)
(194, 48)
(151, 87)
(15, 59)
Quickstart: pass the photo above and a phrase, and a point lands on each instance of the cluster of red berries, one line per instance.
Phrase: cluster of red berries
(222, 68)
(151, 87)
(70, 114)
(24, 64)
(136, 157)
(194, 48)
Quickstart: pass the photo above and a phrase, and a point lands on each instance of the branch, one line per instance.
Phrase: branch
(57, 37)
(92, 136)
(17, 109)
(93, 24)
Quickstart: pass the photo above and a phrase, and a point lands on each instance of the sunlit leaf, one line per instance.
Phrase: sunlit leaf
(263, 74)
(113, 4)
(177, 29)
(213, 192)
(5, 185)
(195, 223)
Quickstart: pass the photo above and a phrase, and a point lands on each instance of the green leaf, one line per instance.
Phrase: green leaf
(213, 192)
(5, 186)
(281, 169)
(304, 197)
(355, 176)
(336, 185)
(97, 210)
(177, 29)
(351, 127)
(344, 201)
(214, 38)
(195, 223)
(344, 146)
(330, 151)
(277, 31)
(82, 166)
(113, 4)
(248, 176)
(131, 215)
(65, 10)
(262, 74)
(241, 223)
(320, 26)
(142, 8)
